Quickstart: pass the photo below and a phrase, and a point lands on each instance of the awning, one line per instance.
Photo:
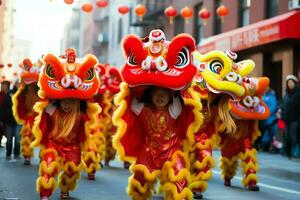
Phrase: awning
(285, 26)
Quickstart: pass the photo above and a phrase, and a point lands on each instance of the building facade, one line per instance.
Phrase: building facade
(262, 30)
(6, 33)
(100, 32)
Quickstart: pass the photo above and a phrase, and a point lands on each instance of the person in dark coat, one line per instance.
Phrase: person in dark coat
(3, 91)
(290, 113)
(10, 125)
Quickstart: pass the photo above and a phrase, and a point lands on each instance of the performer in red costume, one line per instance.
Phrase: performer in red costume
(65, 119)
(217, 82)
(239, 144)
(112, 82)
(23, 102)
(157, 114)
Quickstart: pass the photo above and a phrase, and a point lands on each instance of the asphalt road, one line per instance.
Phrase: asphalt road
(279, 179)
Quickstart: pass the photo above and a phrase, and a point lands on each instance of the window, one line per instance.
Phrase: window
(198, 31)
(271, 8)
(178, 25)
(217, 21)
(120, 31)
(244, 12)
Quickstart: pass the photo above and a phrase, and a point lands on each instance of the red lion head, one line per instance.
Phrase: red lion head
(159, 62)
(30, 73)
(69, 77)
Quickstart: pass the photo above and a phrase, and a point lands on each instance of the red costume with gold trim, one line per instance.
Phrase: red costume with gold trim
(217, 82)
(61, 78)
(156, 141)
(23, 102)
(112, 82)
(239, 144)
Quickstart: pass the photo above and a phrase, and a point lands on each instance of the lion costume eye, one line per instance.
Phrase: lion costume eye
(216, 66)
(183, 58)
(50, 71)
(90, 74)
(132, 59)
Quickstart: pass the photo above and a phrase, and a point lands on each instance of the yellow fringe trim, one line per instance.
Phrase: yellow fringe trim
(252, 164)
(42, 183)
(66, 183)
(137, 196)
(135, 184)
(39, 108)
(121, 104)
(149, 176)
(15, 103)
(195, 102)
(199, 185)
(172, 194)
(256, 133)
(250, 177)
(94, 158)
(229, 166)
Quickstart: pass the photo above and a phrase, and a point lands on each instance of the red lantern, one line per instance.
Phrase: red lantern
(1, 66)
(69, 2)
(222, 11)
(3, 77)
(204, 14)
(9, 65)
(170, 12)
(140, 10)
(15, 74)
(123, 9)
(186, 13)
(87, 7)
(102, 3)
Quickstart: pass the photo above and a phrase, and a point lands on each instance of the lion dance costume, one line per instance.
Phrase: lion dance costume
(217, 82)
(155, 140)
(239, 144)
(23, 102)
(65, 119)
(112, 83)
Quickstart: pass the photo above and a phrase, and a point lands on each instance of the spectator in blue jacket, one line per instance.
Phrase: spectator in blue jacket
(269, 125)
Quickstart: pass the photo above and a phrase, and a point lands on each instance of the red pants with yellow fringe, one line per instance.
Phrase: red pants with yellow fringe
(235, 149)
(174, 175)
(201, 158)
(93, 152)
(57, 158)
(26, 139)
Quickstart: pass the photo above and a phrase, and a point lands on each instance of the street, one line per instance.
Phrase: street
(279, 179)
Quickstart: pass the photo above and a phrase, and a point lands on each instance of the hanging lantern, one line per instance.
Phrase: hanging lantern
(15, 74)
(123, 10)
(204, 14)
(87, 7)
(69, 2)
(170, 12)
(222, 11)
(186, 13)
(102, 3)
(3, 77)
(140, 10)
(9, 65)
(1, 66)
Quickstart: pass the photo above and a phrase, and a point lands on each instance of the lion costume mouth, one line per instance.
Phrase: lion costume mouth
(251, 106)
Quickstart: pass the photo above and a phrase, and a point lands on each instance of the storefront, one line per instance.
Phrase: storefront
(274, 45)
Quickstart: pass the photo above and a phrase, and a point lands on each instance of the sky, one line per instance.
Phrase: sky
(41, 22)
